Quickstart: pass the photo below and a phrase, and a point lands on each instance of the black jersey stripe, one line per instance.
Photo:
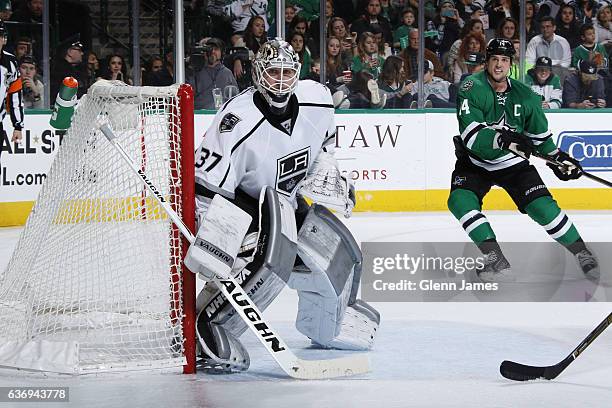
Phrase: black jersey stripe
(225, 175)
(559, 226)
(247, 136)
(317, 105)
(472, 133)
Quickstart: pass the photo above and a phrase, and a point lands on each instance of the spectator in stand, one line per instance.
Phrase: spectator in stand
(389, 12)
(33, 88)
(255, 34)
(567, 25)
(472, 43)
(372, 16)
(436, 90)
(367, 58)
(210, 74)
(474, 27)
(23, 47)
(335, 65)
(548, 8)
(603, 26)
(586, 10)
(290, 13)
(408, 23)
(393, 84)
(501, 9)
(338, 28)
(93, 67)
(548, 44)
(69, 62)
(545, 83)
(300, 25)
(589, 50)
(383, 47)
(314, 26)
(297, 42)
(6, 10)
(466, 8)
(475, 62)
(410, 55)
(447, 24)
(240, 13)
(531, 24)
(515, 68)
(584, 89)
(361, 93)
(116, 70)
(156, 73)
(507, 29)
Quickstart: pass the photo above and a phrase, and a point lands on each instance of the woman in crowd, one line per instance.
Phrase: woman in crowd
(471, 43)
(116, 69)
(361, 93)
(338, 28)
(586, 10)
(392, 83)
(367, 58)
(335, 65)
(531, 25)
(567, 25)
(473, 27)
(508, 29)
(297, 42)
(500, 9)
(254, 35)
(603, 26)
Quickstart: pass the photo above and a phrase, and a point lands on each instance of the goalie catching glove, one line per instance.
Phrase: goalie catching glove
(565, 166)
(325, 185)
(517, 143)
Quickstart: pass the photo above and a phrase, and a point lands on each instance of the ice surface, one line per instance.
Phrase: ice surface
(426, 355)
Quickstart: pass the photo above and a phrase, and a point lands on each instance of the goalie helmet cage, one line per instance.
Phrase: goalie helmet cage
(96, 281)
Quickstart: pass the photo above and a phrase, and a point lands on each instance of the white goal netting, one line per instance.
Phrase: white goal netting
(94, 281)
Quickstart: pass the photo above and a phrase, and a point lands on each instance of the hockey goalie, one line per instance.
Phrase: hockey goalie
(267, 149)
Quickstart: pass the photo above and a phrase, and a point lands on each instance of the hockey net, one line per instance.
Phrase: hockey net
(96, 281)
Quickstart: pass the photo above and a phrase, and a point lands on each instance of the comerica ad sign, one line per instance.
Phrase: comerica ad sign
(593, 149)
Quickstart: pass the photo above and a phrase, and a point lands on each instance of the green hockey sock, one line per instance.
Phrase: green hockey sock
(465, 206)
(546, 212)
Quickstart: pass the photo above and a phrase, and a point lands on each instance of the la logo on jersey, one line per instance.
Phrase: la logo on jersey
(290, 170)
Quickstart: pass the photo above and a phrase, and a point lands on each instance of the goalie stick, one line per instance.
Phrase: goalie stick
(521, 372)
(248, 311)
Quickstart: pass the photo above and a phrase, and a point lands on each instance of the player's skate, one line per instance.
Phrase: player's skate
(219, 350)
(588, 263)
(496, 268)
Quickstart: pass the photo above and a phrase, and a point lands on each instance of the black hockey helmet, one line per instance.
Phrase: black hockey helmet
(500, 46)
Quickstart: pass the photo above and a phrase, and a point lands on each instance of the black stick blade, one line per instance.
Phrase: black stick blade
(520, 372)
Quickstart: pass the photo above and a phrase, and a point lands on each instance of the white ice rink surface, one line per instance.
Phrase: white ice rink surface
(426, 354)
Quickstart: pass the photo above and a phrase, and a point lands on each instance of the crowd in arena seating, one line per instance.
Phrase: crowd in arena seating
(371, 49)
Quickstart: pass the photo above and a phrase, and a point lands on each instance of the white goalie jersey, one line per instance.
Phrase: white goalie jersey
(247, 149)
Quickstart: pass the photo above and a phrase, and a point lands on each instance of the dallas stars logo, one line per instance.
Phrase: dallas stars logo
(501, 99)
(501, 123)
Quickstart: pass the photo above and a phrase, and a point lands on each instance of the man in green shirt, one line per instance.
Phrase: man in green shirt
(501, 123)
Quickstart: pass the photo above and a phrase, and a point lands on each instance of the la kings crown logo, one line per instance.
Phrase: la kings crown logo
(290, 170)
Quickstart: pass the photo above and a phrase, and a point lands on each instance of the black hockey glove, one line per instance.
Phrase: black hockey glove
(568, 167)
(508, 139)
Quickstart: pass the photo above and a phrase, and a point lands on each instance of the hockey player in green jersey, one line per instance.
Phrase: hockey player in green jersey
(501, 123)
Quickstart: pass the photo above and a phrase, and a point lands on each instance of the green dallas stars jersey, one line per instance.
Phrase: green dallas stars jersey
(519, 108)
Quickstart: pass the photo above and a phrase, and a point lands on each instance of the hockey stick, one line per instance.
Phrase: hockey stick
(248, 311)
(550, 160)
(584, 173)
(522, 372)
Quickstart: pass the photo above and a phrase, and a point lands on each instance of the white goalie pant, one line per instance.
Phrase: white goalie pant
(327, 283)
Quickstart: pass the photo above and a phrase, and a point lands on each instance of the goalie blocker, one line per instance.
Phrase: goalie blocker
(309, 250)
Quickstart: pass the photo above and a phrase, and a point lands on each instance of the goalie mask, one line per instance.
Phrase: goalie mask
(276, 71)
